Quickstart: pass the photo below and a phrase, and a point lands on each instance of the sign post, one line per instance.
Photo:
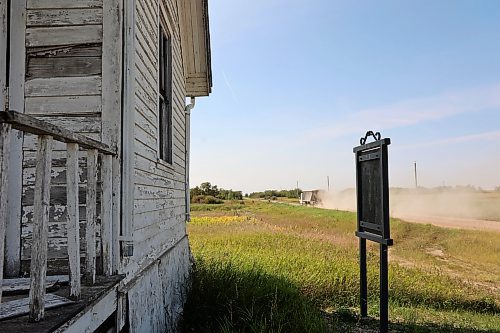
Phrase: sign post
(372, 191)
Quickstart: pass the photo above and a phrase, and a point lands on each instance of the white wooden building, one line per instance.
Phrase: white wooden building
(95, 102)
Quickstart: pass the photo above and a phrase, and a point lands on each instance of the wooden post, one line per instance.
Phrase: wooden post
(73, 219)
(116, 224)
(363, 281)
(121, 310)
(39, 247)
(128, 126)
(17, 73)
(384, 290)
(5, 130)
(14, 100)
(90, 237)
(107, 213)
(4, 33)
(112, 65)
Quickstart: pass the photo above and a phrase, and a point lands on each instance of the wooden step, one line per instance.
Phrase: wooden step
(22, 285)
(20, 307)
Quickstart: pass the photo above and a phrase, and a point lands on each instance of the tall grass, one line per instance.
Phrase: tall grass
(277, 268)
(226, 297)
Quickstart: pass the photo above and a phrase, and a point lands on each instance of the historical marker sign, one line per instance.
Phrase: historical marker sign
(372, 189)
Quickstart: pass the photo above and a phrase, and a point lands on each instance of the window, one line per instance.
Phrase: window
(165, 97)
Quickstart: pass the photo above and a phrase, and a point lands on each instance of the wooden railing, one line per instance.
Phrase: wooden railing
(46, 133)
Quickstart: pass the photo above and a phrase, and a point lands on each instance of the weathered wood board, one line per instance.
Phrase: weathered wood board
(73, 219)
(20, 307)
(31, 4)
(66, 35)
(91, 213)
(64, 87)
(23, 284)
(64, 105)
(63, 67)
(159, 190)
(62, 17)
(5, 131)
(39, 250)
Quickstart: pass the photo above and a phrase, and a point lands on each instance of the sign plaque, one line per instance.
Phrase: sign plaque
(372, 191)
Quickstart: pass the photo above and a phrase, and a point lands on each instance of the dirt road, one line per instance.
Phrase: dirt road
(453, 222)
(441, 221)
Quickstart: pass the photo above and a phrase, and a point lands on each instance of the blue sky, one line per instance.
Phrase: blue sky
(297, 83)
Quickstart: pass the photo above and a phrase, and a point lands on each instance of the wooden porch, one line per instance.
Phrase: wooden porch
(62, 313)
(24, 304)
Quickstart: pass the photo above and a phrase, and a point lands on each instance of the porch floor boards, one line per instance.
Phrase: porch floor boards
(56, 317)
(22, 285)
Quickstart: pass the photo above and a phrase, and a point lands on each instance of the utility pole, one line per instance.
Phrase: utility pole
(297, 188)
(416, 178)
(328, 182)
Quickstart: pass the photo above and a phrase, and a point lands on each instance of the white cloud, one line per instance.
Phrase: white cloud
(412, 112)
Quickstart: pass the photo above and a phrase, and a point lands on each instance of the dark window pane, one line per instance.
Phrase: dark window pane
(165, 97)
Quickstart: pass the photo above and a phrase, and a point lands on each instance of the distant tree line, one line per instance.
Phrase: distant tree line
(269, 194)
(211, 194)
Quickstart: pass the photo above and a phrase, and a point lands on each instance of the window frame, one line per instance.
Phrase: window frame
(165, 110)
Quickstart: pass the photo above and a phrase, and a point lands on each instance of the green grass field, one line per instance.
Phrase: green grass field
(269, 267)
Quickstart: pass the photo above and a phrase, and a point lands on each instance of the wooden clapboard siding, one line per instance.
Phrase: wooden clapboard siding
(170, 274)
(143, 177)
(58, 198)
(63, 86)
(145, 304)
(174, 276)
(62, 17)
(57, 248)
(63, 35)
(74, 50)
(30, 142)
(57, 215)
(159, 196)
(88, 124)
(58, 172)
(144, 120)
(58, 160)
(57, 220)
(63, 67)
(63, 105)
(41, 4)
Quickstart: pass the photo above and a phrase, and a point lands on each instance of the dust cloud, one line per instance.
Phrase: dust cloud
(457, 202)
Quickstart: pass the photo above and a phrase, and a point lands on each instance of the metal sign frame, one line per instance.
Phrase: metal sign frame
(372, 191)
(373, 194)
